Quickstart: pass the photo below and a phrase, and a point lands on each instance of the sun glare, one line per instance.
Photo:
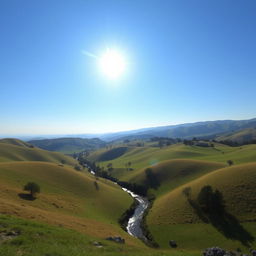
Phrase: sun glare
(112, 64)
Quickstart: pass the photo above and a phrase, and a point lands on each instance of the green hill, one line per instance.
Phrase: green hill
(16, 150)
(240, 137)
(143, 157)
(16, 142)
(68, 145)
(174, 216)
(170, 174)
(68, 198)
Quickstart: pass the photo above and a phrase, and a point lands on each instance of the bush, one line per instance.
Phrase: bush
(33, 188)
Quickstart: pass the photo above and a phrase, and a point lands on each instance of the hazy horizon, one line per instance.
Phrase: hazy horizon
(91, 134)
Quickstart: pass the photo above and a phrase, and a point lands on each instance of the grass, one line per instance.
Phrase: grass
(142, 157)
(174, 173)
(68, 198)
(14, 150)
(38, 239)
(240, 137)
(79, 212)
(178, 166)
(173, 216)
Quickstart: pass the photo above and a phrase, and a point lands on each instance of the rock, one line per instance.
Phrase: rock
(215, 251)
(173, 244)
(116, 239)
(12, 233)
(97, 244)
(6, 235)
(253, 252)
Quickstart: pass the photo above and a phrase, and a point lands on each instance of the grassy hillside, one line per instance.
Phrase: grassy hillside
(38, 239)
(142, 157)
(68, 198)
(16, 150)
(170, 174)
(240, 137)
(68, 145)
(16, 142)
(173, 216)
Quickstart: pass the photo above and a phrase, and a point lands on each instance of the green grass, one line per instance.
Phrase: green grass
(142, 157)
(174, 173)
(198, 236)
(38, 239)
(240, 137)
(172, 213)
(14, 152)
(71, 200)
(67, 197)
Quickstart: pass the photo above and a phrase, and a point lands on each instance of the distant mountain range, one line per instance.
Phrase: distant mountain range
(208, 129)
(204, 130)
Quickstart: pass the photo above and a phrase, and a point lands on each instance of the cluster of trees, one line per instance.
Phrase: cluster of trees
(208, 200)
(165, 141)
(236, 144)
(100, 172)
(151, 179)
(200, 143)
(211, 201)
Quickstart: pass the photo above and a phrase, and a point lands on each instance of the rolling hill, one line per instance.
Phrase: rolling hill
(240, 137)
(17, 150)
(68, 145)
(170, 174)
(148, 156)
(187, 130)
(173, 216)
(68, 198)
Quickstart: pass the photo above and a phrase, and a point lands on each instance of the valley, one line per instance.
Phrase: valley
(172, 176)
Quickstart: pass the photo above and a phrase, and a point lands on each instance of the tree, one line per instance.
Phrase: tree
(33, 188)
(211, 201)
(187, 191)
(63, 161)
(205, 198)
(110, 167)
(77, 167)
(230, 162)
(96, 185)
(151, 179)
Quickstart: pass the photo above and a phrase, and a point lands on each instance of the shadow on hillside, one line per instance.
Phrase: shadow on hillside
(26, 196)
(112, 154)
(225, 223)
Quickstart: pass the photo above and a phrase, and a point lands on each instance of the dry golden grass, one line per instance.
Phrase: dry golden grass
(68, 198)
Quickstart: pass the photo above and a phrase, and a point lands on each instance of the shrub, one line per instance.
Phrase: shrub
(33, 188)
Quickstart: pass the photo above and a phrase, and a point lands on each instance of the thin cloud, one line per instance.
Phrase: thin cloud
(89, 54)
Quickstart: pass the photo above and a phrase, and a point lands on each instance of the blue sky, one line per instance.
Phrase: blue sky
(187, 61)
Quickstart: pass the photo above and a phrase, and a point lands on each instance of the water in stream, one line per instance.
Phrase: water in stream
(134, 223)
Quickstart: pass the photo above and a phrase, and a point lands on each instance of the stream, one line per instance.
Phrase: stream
(134, 223)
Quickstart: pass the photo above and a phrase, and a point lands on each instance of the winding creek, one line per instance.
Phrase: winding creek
(134, 223)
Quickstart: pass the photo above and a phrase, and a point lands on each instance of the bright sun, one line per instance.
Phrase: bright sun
(112, 64)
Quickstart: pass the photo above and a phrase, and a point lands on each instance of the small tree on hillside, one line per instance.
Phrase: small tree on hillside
(187, 192)
(110, 167)
(230, 162)
(33, 188)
